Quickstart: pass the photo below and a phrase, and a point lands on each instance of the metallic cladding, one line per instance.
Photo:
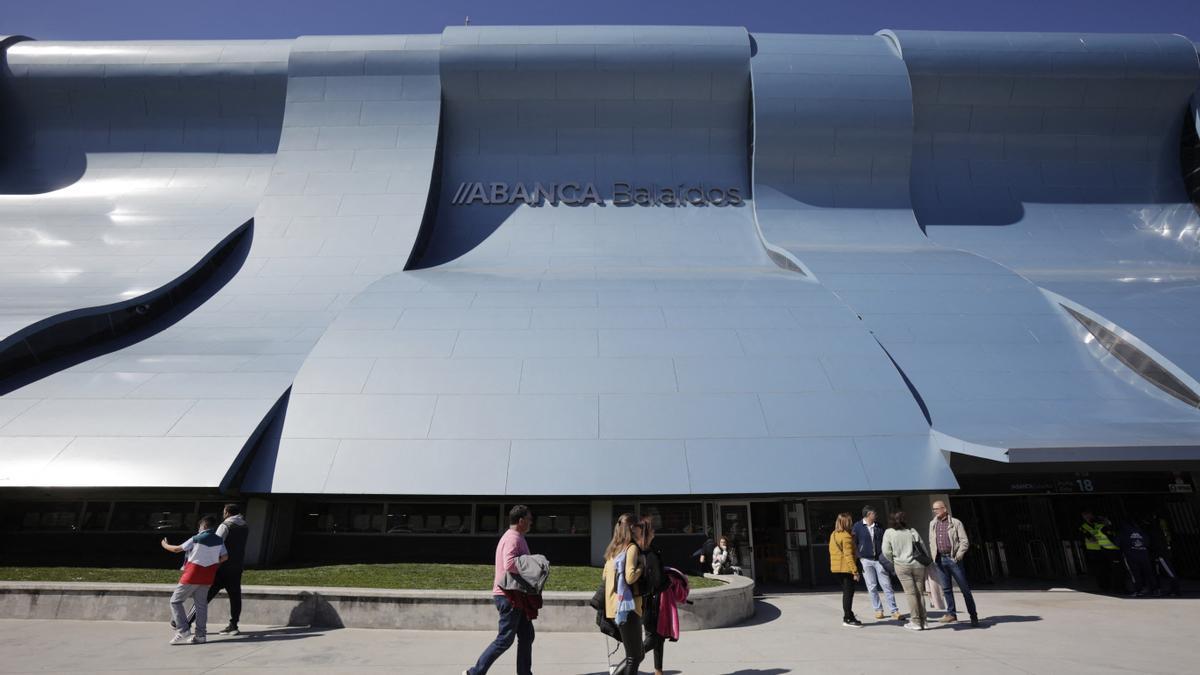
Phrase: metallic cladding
(944, 196)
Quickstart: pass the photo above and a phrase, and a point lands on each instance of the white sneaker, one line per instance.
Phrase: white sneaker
(913, 626)
(198, 640)
(182, 637)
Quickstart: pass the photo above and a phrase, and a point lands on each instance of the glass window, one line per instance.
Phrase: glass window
(41, 515)
(488, 518)
(153, 516)
(332, 517)
(429, 518)
(618, 509)
(560, 518)
(674, 518)
(95, 515)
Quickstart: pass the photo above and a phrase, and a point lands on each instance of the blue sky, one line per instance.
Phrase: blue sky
(204, 19)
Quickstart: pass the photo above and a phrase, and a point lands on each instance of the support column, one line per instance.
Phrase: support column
(920, 511)
(601, 529)
(258, 518)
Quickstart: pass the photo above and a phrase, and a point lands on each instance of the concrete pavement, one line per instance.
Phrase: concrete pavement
(1042, 632)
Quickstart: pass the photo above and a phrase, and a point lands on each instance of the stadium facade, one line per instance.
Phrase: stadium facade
(380, 287)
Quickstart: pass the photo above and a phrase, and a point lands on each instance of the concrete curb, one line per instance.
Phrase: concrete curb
(348, 607)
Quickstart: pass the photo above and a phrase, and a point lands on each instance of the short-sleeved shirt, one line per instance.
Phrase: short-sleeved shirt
(204, 553)
(511, 546)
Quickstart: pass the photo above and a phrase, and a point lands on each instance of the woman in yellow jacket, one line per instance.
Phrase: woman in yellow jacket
(622, 596)
(844, 565)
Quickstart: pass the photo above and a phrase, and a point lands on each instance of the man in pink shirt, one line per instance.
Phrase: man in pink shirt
(514, 624)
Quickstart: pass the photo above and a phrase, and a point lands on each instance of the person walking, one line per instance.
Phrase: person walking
(1102, 554)
(949, 538)
(868, 544)
(902, 546)
(654, 582)
(623, 568)
(205, 552)
(514, 623)
(1160, 551)
(1135, 547)
(844, 566)
(234, 532)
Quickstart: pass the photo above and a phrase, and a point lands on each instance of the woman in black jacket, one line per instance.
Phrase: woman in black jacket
(654, 580)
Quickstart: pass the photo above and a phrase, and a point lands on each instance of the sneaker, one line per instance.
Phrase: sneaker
(851, 623)
(948, 618)
(896, 615)
(181, 637)
(879, 614)
(231, 629)
(914, 626)
(197, 640)
(974, 622)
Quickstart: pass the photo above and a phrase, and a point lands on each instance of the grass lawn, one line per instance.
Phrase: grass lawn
(394, 575)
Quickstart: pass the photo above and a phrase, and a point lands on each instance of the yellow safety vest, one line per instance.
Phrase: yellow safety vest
(1094, 538)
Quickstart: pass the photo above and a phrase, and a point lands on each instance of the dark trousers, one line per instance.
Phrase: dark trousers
(631, 639)
(953, 571)
(1141, 568)
(847, 580)
(514, 625)
(653, 642)
(1166, 571)
(230, 579)
(1102, 564)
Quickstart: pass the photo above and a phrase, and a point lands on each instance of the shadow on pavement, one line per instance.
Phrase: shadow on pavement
(760, 671)
(273, 634)
(986, 622)
(764, 612)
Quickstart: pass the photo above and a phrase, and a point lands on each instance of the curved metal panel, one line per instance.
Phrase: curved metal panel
(996, 364)
(335, 208)
(559, 334)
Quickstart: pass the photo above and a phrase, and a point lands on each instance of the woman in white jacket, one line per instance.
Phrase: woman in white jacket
(722, 558)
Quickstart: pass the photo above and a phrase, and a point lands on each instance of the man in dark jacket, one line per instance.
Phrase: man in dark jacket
(868, 544)
(234, 532)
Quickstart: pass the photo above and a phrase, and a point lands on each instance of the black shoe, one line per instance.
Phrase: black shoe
(231, 629)
(173, 624)
(974, 621)
(852, 623)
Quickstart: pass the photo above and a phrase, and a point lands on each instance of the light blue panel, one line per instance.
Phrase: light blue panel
(511, 417)
(823, 414)
(358, 416)
(548, 343)
(443, 376)
(418, 467)
(744, 374)
(777, 465)
(669, 342)
(555, 467)
(597, 376)
(660, 416)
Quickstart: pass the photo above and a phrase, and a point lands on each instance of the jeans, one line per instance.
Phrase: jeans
(877, 576)
(199, 596)
(847, 594)
(912, 578)
(951, 569)
(514, 625)
(631, 638)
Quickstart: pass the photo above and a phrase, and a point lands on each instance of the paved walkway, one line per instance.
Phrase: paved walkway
(1056, 633)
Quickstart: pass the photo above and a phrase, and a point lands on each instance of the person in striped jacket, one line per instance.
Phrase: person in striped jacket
(205, 552)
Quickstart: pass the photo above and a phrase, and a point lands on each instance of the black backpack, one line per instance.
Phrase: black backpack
(654, 575)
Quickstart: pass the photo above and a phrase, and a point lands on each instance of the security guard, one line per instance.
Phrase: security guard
(1102, 554)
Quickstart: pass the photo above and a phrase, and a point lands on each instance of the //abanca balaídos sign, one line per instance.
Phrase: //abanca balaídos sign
(582, 194)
